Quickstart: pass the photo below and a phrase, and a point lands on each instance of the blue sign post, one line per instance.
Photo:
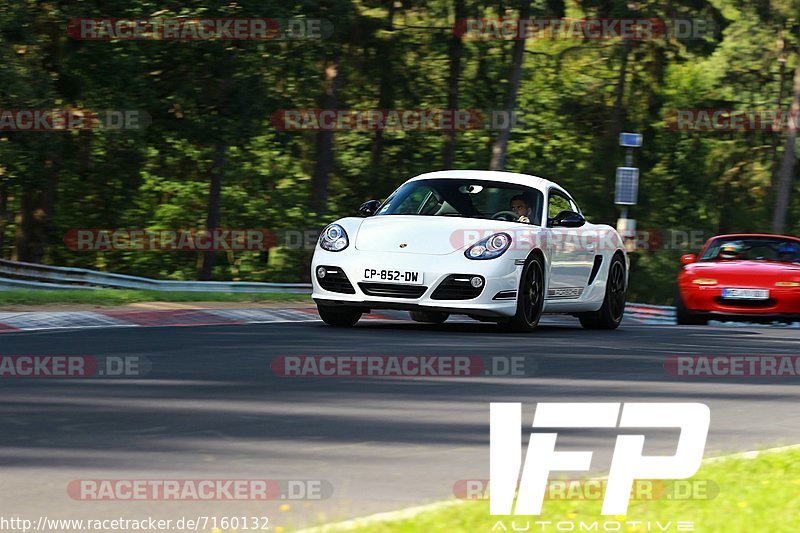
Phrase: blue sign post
(627, 188)
(630, 140)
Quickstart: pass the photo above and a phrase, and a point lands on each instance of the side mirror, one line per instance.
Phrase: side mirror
(688, 259)
(368, 209)
(567, 219)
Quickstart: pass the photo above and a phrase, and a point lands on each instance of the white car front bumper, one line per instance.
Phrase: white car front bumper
(496, 299)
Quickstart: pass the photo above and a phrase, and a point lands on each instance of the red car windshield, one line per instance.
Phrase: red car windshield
(746, 248)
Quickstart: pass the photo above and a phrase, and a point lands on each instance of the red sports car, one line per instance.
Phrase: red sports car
(748, 277)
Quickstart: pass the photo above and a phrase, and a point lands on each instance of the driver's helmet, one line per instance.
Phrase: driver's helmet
(731, 250)
(787, 251)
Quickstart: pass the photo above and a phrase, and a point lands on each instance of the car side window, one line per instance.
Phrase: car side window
(557, 203)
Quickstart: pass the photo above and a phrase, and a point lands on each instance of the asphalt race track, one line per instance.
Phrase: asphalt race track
(211, 408)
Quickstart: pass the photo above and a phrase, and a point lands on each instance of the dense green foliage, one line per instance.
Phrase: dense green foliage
(211, 104)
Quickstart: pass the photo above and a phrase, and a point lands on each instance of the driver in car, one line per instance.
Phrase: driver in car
(731, 251)
(521, 208)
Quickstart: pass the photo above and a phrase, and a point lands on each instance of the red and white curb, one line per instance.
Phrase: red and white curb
(651, 314)
(52, 320)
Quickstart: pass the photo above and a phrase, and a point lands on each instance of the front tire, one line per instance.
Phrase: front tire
(610, 315)
(342, 317)
(530, 301)
(431, 317)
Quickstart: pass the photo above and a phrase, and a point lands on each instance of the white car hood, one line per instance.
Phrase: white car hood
(428, 235)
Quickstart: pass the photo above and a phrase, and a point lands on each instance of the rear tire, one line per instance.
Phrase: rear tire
(342, 317)
(430, 317)
(684, 316)
(610, 315)
(530, 299)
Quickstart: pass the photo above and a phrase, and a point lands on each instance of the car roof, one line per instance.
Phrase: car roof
(750, 235)
(494, 175)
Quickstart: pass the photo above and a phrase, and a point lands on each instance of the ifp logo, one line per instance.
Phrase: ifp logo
(627, 464)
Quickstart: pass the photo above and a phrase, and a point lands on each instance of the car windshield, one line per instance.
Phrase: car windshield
(744, 248)
(466, 198)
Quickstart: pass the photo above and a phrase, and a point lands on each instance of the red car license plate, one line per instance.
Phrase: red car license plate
(745, 294)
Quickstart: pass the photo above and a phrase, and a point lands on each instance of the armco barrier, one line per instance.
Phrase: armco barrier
(19, 275)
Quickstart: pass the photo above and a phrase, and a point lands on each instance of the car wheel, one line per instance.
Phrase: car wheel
(531, 298)
(684, 316)
(434, 317)
(610, 314)
(339, 316)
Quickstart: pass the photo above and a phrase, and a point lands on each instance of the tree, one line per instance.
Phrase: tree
(789, 156)
(324, 151)
(500, 147)
(455, 53)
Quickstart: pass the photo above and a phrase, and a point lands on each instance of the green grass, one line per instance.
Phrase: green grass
(761, 494)
(121, 297)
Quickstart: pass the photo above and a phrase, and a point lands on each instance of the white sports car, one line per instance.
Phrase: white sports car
(496, 246)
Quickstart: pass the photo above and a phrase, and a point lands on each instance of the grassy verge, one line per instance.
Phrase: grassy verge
(761, 494)
(121, 297)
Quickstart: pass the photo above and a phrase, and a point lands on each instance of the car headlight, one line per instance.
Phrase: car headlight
(334, 238)
(490, 247)
(704, 281)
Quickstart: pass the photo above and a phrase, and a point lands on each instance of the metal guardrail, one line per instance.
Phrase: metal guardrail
(11, 284)
(18, 275)
(35, 276)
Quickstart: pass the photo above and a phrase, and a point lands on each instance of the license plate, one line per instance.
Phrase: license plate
(389, 275)
(745, 294)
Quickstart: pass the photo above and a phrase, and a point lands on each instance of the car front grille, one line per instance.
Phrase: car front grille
(335, 280)
(745, 304)
(457, 287)
(392, 290)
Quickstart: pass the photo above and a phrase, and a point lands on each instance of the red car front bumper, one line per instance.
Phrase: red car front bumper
(783, 303)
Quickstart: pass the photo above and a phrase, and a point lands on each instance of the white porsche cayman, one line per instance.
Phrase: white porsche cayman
(496, 246)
